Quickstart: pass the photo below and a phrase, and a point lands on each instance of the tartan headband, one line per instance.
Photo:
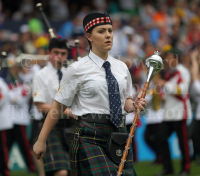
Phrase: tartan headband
(95, 19)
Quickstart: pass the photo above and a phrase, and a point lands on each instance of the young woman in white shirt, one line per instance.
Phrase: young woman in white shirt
(90, 92)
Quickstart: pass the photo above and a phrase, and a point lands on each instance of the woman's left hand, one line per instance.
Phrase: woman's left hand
(140, 103)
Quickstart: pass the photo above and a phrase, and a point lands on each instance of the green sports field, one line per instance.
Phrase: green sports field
(143, 169)
(147, 169)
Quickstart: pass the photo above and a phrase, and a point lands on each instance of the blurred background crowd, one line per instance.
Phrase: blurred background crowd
(140, 27)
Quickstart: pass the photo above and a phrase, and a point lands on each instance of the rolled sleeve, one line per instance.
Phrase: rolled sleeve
(69, 87)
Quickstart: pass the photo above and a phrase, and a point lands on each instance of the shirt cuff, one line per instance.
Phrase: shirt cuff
(39, 100)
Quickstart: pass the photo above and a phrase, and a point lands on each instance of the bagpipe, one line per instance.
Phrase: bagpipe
(4, 64)
(52, 35)
(31, 59)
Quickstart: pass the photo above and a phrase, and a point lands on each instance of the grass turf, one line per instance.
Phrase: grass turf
(142, 169)
(147, 169)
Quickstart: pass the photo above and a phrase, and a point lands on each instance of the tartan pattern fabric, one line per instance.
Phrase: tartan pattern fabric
(114, 96)
(62, 123)
(97, 21)
(91, 158)
(57, 155)
(74, 149)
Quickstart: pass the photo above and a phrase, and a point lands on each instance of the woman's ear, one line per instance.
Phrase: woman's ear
(89, 37)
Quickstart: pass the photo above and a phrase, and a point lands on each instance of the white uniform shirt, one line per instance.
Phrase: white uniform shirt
(85, 89)
(195, 91)
(174, 109)
(19, 104)
(5, 119)
(45, 84)
(28, 79)
(153, 116)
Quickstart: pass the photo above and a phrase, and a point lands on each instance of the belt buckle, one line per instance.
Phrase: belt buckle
(76, 136)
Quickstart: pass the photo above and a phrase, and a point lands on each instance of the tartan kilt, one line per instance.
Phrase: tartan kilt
(57, 153)
(88, 156)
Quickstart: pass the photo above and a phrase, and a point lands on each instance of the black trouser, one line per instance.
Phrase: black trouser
(35, 131)
(4, 137)
(194, 129)
(16, 134)
(151, 138)
(166, 130)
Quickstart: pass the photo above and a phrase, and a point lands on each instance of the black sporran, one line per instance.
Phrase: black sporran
(116, 145)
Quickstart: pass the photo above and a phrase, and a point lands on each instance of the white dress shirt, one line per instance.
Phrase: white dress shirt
(27, 78)
(195, 91)
(85, 89)
(153, 116)
(19, 103)
(5, 118)
(45, 84)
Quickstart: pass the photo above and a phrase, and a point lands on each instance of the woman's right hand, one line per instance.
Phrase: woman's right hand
(39, 149)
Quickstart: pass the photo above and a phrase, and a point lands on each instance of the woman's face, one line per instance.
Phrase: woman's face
(101, 37)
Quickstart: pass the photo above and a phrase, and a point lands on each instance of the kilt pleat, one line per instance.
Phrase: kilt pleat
(74, 150)
(57, 154)
(91, 156)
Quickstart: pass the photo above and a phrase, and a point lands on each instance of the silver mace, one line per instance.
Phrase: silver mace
(154, 64)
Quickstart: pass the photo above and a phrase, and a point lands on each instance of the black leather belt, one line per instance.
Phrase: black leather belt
(96, 118)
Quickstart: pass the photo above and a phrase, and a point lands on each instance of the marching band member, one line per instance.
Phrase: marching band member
(26, 74)
(195, 93)
(6, 125)
(154, 116)
(20, 95)
(176, 111)
(45, 85)
(99, 90)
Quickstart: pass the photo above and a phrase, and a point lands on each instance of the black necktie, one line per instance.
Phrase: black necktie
(114, 96)
(59, 75)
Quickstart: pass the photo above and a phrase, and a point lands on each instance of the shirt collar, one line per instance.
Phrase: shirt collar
(49, 64)
(97, 60)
